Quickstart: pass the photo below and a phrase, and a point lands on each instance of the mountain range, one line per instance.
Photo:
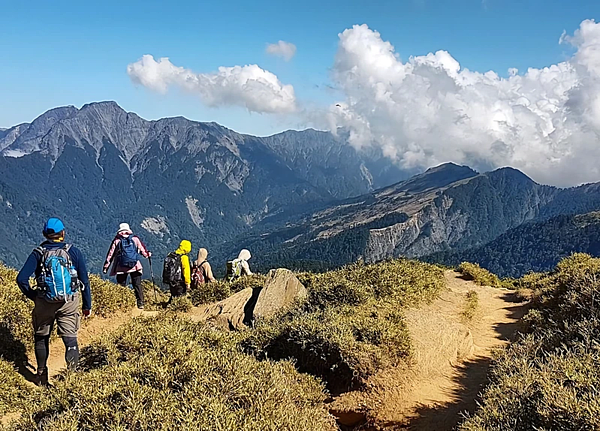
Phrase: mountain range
(171, 179)
(302, 199)
(446, 214)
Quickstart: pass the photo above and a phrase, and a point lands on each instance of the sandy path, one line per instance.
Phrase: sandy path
(451, 358)
(90, 329)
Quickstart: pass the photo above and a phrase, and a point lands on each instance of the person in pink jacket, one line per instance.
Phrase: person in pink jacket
(124, 255)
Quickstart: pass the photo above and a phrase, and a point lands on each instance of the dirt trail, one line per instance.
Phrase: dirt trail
(451, 358)
(90, 330)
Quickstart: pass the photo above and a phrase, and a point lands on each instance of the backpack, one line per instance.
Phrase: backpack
(198, 276)
(172, 270)
(128, 256)
(58, 277)
(234, 269)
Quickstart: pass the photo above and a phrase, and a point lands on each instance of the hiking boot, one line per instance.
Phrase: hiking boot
(140, 306)
(41, 378)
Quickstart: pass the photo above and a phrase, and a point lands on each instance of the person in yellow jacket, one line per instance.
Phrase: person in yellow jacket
(177, 270)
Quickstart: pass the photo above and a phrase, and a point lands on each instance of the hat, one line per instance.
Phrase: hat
(124, 227)
(53, 226)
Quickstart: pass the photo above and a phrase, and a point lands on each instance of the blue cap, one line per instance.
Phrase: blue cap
(53, 226)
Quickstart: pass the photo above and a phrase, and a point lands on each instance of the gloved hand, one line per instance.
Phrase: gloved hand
(87, 313)
(104, 270)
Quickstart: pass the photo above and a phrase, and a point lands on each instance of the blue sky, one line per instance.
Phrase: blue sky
(70, 53)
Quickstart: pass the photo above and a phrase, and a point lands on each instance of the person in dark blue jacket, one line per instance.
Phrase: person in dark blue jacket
(56, 303)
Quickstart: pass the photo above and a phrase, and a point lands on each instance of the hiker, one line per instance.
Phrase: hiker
(124, 255)
(202, 271)
(176, 270)
(61, 285)
(238, 267)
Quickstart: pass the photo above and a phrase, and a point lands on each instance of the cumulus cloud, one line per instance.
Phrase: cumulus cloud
(249, 86)
(428, 109)
(285, 50)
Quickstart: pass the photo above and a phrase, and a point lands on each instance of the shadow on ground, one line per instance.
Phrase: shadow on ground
(14, 351)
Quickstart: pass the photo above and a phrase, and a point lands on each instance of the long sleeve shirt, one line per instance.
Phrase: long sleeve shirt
(185, 266)
(112, 256)
(33, 266)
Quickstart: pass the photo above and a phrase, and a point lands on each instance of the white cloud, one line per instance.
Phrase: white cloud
(427, 109)
(283, 49)
(249, 86)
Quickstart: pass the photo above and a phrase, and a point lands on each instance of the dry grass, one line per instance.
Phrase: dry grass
(351, 325)
(550, 379)
(14, 391)
(108, 297)
(471, 305)
(168, 373)
(222, 289)
(481, 276)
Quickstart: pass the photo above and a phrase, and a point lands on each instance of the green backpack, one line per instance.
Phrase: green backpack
(234, 269)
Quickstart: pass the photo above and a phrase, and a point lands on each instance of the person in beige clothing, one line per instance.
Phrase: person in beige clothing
(239, 267)
(202, 271)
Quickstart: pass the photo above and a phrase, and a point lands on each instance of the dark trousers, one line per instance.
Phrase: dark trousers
(136, 281)
(177, 289)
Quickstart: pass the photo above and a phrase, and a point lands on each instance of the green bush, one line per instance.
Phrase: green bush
(168, 373)
(550, 379)
(479, 275)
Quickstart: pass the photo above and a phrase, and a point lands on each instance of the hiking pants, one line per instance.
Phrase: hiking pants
(67, 318)
(177, 289)
(136, 281)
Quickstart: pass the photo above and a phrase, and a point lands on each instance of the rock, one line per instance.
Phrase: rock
(281, 289)
(238, 311)
(229, 313)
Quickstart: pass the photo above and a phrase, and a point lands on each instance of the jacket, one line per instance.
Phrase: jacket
(184, 248)
(33, 266)
(112, 257)
(204, 266)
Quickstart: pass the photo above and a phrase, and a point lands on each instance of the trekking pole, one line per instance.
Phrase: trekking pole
(152, 275)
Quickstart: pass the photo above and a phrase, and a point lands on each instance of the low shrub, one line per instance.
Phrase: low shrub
(550, 378)
(344, 346)
(168, 373)
(479, 275)
(13, 388)
(154, 297)
(16, 331)
(403, 282)
(351, 324)
(471, 304)
(221, 289)
(109, 297)
(180, 304)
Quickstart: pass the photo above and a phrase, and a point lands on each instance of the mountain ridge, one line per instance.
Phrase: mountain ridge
(170, 178)
(459, 213)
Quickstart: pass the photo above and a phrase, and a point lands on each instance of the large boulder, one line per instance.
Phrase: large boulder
(238, 311)
(281, 289)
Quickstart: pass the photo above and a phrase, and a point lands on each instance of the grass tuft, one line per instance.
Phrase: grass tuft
(471, 305)
(481, 276)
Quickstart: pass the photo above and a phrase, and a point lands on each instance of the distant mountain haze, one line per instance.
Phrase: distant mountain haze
(171, 179)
